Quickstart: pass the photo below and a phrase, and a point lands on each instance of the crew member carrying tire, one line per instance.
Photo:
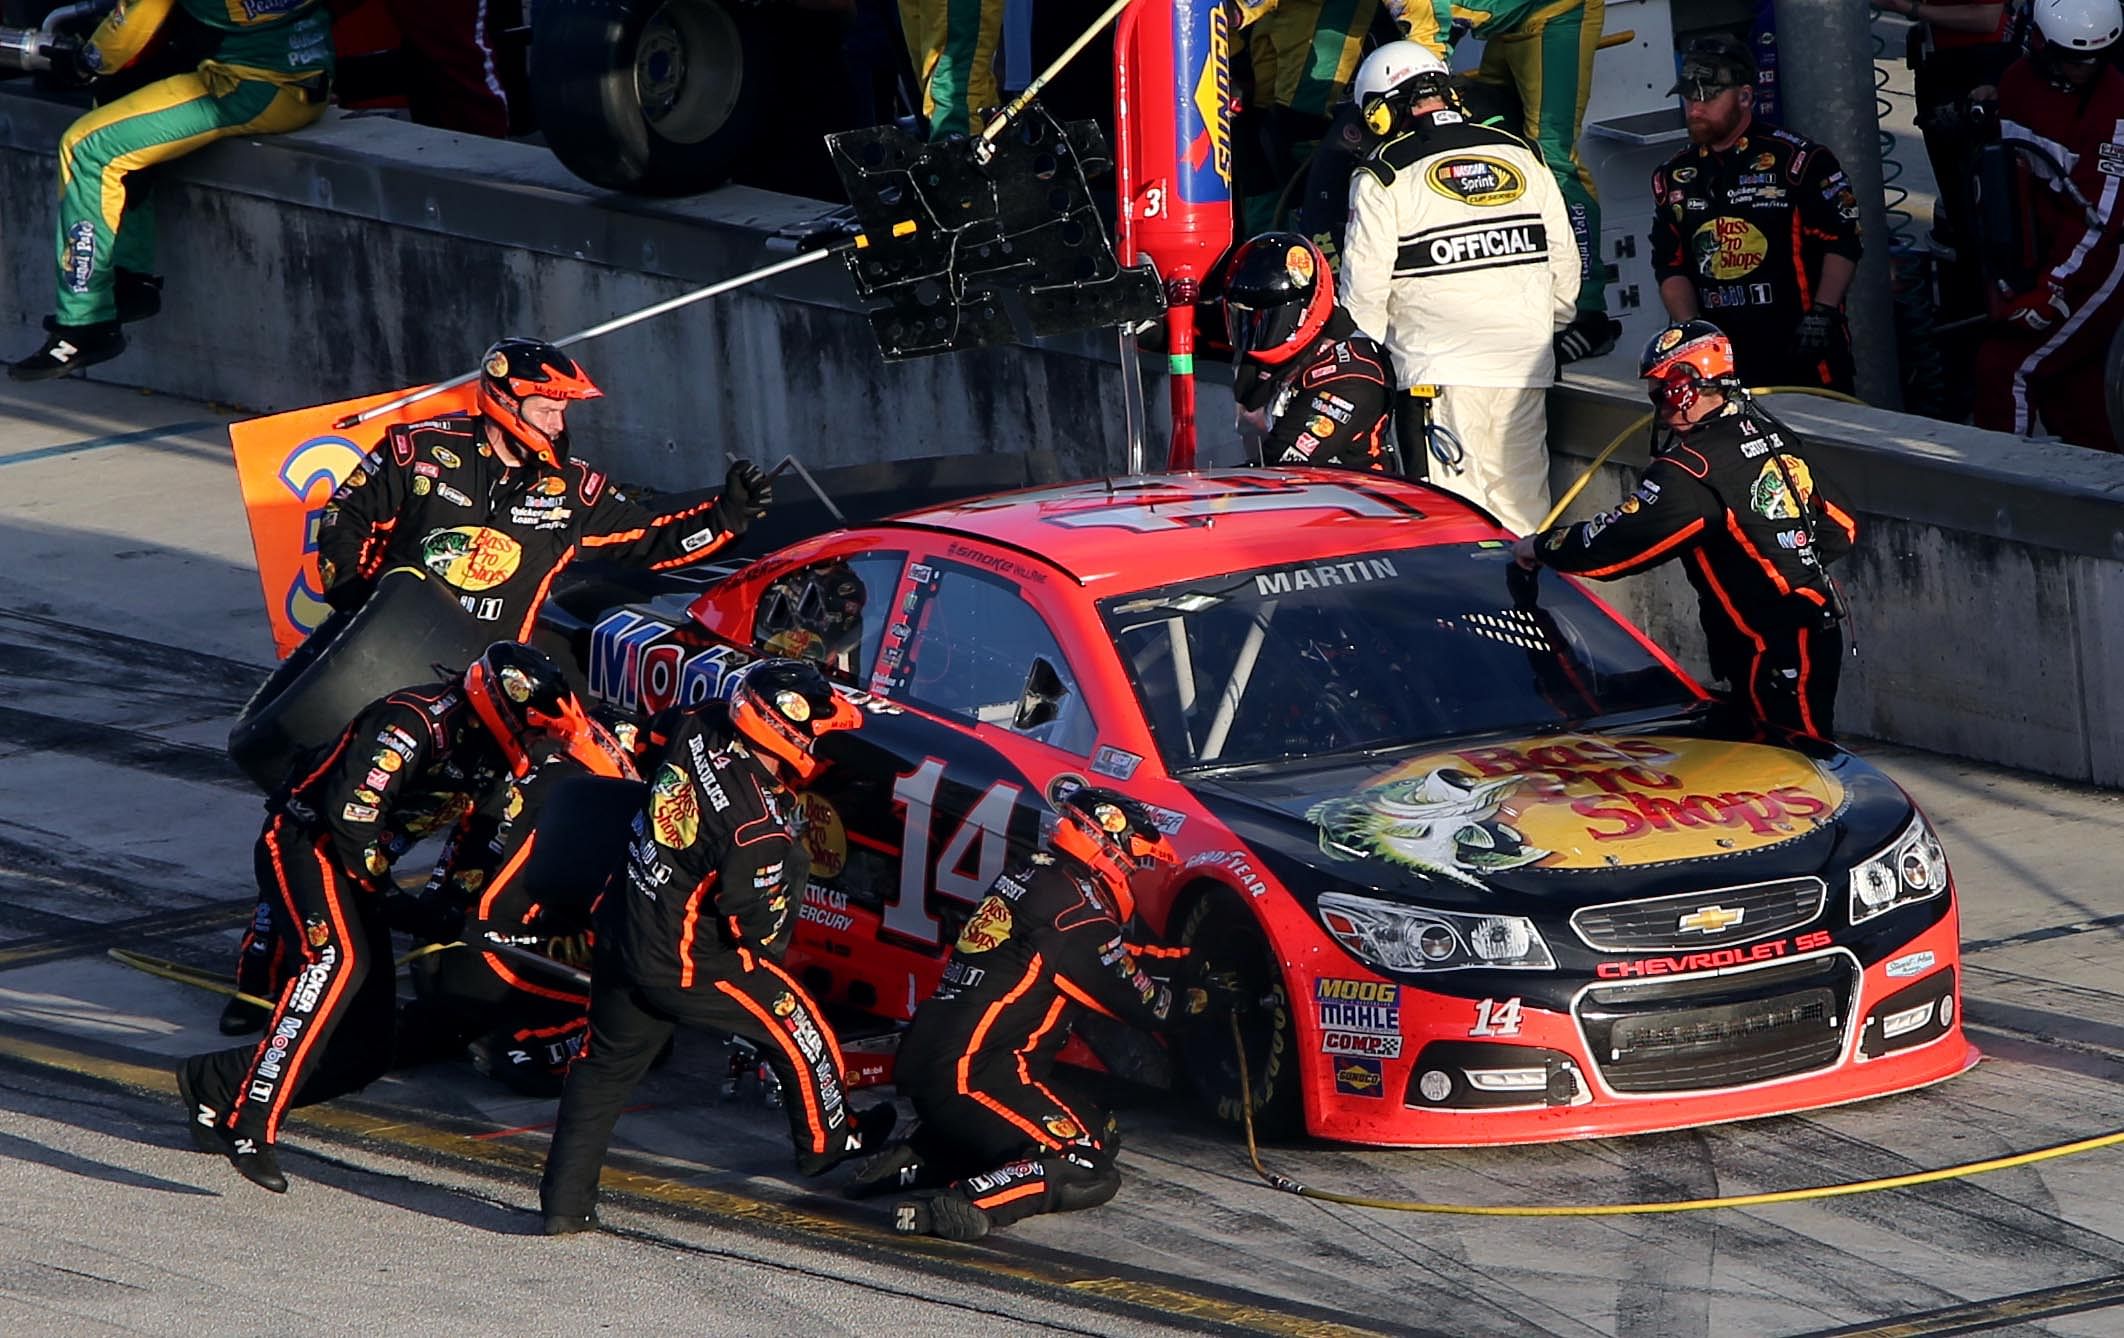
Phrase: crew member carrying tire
(1731, 493)
(412, 763)
(694, 932)
(1047, 942)
(494, 505)
(1313, 388)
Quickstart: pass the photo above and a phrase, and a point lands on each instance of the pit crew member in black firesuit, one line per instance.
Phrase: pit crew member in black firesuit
(492, 503)
(1046, 942)
(412, 761)
(1731, 492)
(1755, 228)
(693, 932)
(1313, 388)
(523, 1024)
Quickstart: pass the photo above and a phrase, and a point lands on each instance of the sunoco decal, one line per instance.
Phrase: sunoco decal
(1579, 803)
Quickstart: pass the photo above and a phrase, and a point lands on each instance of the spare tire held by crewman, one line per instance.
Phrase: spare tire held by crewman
(410, 630)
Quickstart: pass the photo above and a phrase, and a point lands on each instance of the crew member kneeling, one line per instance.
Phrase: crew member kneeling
(1730, 492)
(1046, 943)
(693, 932)
(410, 763)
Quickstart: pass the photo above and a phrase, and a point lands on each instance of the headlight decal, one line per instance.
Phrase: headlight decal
(1418, 939)
(1910, 869)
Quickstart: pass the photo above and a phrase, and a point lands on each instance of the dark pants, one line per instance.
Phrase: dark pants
(1009, 1144)
(1787, 676)
(331, 1032)
(746, 995)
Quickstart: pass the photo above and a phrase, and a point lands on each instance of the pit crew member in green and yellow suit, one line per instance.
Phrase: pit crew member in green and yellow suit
(1544, 48)
(264, 69)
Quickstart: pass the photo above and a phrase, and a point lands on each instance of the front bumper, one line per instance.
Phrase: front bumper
(1641, 1056)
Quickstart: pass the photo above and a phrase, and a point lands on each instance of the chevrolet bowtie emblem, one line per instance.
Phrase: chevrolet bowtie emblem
(1710, 919)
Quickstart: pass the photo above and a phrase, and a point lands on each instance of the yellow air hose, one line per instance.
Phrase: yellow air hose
(1290, 1186)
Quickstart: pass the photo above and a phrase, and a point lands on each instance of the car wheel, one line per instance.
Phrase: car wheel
(658, 97)
(1224, 936)
(410, 625)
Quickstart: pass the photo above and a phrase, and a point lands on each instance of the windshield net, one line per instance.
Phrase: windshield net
(1374, 651)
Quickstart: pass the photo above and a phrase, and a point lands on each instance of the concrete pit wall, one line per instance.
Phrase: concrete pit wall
(1988, 586)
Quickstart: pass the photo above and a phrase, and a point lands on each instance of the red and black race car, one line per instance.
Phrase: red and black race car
(1497, 868)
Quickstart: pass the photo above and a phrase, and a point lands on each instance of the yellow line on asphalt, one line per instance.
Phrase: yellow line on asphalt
(403, 1134)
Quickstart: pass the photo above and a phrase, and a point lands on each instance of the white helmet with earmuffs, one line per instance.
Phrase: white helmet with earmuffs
(2084, 27)
(1393, 76)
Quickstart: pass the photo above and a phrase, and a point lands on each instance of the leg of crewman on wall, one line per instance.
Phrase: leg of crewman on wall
(953, 46)
(1796, 678)
(1552, 65)
(1504, 432)
(165, 120)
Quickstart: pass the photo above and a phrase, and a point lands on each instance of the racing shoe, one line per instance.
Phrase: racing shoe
(897, 1167)
(69, 348)
(568, 1224)
(254, 1161)
(872, 1128)
(1590, 334)
(202, 1119)
(240, 1017)
(947, 1216)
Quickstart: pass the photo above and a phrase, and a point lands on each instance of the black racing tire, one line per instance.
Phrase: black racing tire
(656, 97)
(1224, 936)
(409, 626)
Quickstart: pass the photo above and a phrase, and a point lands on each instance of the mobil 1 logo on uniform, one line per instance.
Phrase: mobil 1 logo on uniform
(1359, 1017)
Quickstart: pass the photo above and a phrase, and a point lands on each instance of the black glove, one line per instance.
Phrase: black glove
(747, 493)
(70, 59)
(1820, 331)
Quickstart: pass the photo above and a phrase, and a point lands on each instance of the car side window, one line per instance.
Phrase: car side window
(833, 612)
(974, 647)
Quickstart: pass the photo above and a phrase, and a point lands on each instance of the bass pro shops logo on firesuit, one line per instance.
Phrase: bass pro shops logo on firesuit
(80, 256)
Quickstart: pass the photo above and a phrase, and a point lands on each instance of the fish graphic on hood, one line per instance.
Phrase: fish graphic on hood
(1444, 822)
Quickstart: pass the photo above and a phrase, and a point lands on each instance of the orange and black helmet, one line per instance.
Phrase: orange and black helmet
(517, 693)
(1113, 836)
(1682, 359)
(1278, 295)
(515, 369)
(782, 707)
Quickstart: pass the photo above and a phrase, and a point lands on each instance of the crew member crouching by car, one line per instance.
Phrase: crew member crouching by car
(1047, 942)
(1312, 387)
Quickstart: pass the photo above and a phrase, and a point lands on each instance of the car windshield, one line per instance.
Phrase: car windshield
(1375, 651)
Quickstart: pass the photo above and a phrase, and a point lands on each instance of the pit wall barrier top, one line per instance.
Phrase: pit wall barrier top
(365, 253)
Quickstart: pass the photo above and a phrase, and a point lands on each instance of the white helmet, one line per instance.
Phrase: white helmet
(1396, 63)
(2072, 25)
(1394, 76)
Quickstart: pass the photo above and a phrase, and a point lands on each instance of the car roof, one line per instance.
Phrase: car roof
(1139, 531)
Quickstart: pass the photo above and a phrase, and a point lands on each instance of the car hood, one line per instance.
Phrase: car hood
(1577, 817)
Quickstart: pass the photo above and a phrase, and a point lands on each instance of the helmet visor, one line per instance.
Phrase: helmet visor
(1257, 329)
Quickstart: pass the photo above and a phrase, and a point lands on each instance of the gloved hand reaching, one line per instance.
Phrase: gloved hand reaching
(1214, 996)
(747, 493)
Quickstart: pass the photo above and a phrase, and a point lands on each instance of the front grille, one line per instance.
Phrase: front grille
(1720, 1031)
(1727, 916)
